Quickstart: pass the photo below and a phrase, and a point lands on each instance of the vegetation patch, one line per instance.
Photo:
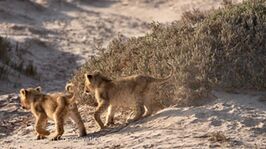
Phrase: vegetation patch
(11, 60)
(224, 48)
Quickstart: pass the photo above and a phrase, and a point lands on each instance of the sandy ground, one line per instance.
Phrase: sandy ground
(60, 35)
(232, 120)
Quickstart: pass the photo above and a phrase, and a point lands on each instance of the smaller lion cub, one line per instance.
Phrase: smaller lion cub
(55, 106)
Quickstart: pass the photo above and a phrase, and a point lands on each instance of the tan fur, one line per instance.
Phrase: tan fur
(55, 106)
(133, 92)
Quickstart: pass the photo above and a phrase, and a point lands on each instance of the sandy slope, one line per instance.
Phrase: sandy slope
(62, 35)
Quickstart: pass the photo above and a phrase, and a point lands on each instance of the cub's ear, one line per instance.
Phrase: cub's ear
(23, 92)
(39, 89)
(88, 76)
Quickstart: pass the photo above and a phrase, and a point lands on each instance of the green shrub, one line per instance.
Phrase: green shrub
(224, 48)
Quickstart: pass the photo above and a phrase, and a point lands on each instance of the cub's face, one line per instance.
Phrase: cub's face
(27, 96)
(93, 81)
(89, 83)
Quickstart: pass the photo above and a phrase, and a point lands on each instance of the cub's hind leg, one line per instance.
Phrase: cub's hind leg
(75, 116)
(152, 108)
(138, 112)
(59, 117)
(40, 125)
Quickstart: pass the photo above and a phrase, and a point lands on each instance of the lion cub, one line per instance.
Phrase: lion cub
(55, 106)
(134, 92)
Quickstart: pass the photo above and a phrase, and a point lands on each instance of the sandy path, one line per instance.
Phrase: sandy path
(238, 118)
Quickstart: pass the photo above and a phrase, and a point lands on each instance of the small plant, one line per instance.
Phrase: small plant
(218, 137)
(30, 70)
(3, 72)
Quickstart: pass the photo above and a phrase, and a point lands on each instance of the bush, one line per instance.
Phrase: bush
(224, 48)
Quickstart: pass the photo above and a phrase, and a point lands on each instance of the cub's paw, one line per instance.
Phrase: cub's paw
(40, 137)
(129, 121)
(56, 137)
(82, 134)
(110, 123)
(102, 128)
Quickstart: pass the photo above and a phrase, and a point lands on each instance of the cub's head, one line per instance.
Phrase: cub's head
(28, 95)
(94, 80)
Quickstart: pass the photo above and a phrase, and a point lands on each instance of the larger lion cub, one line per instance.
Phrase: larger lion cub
(55, 106)
(134, 92)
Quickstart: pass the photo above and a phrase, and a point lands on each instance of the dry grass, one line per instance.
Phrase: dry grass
(3, 57)
(218, 137)
(7, 61)
(224, 48)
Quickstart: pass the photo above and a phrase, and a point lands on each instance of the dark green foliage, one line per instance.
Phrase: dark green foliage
(224, 48)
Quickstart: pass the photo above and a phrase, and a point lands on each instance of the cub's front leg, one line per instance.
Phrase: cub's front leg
(102, 106)
(110, 116)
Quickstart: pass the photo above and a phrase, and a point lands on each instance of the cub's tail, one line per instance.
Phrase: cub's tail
(162, 80)
(69, 88)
